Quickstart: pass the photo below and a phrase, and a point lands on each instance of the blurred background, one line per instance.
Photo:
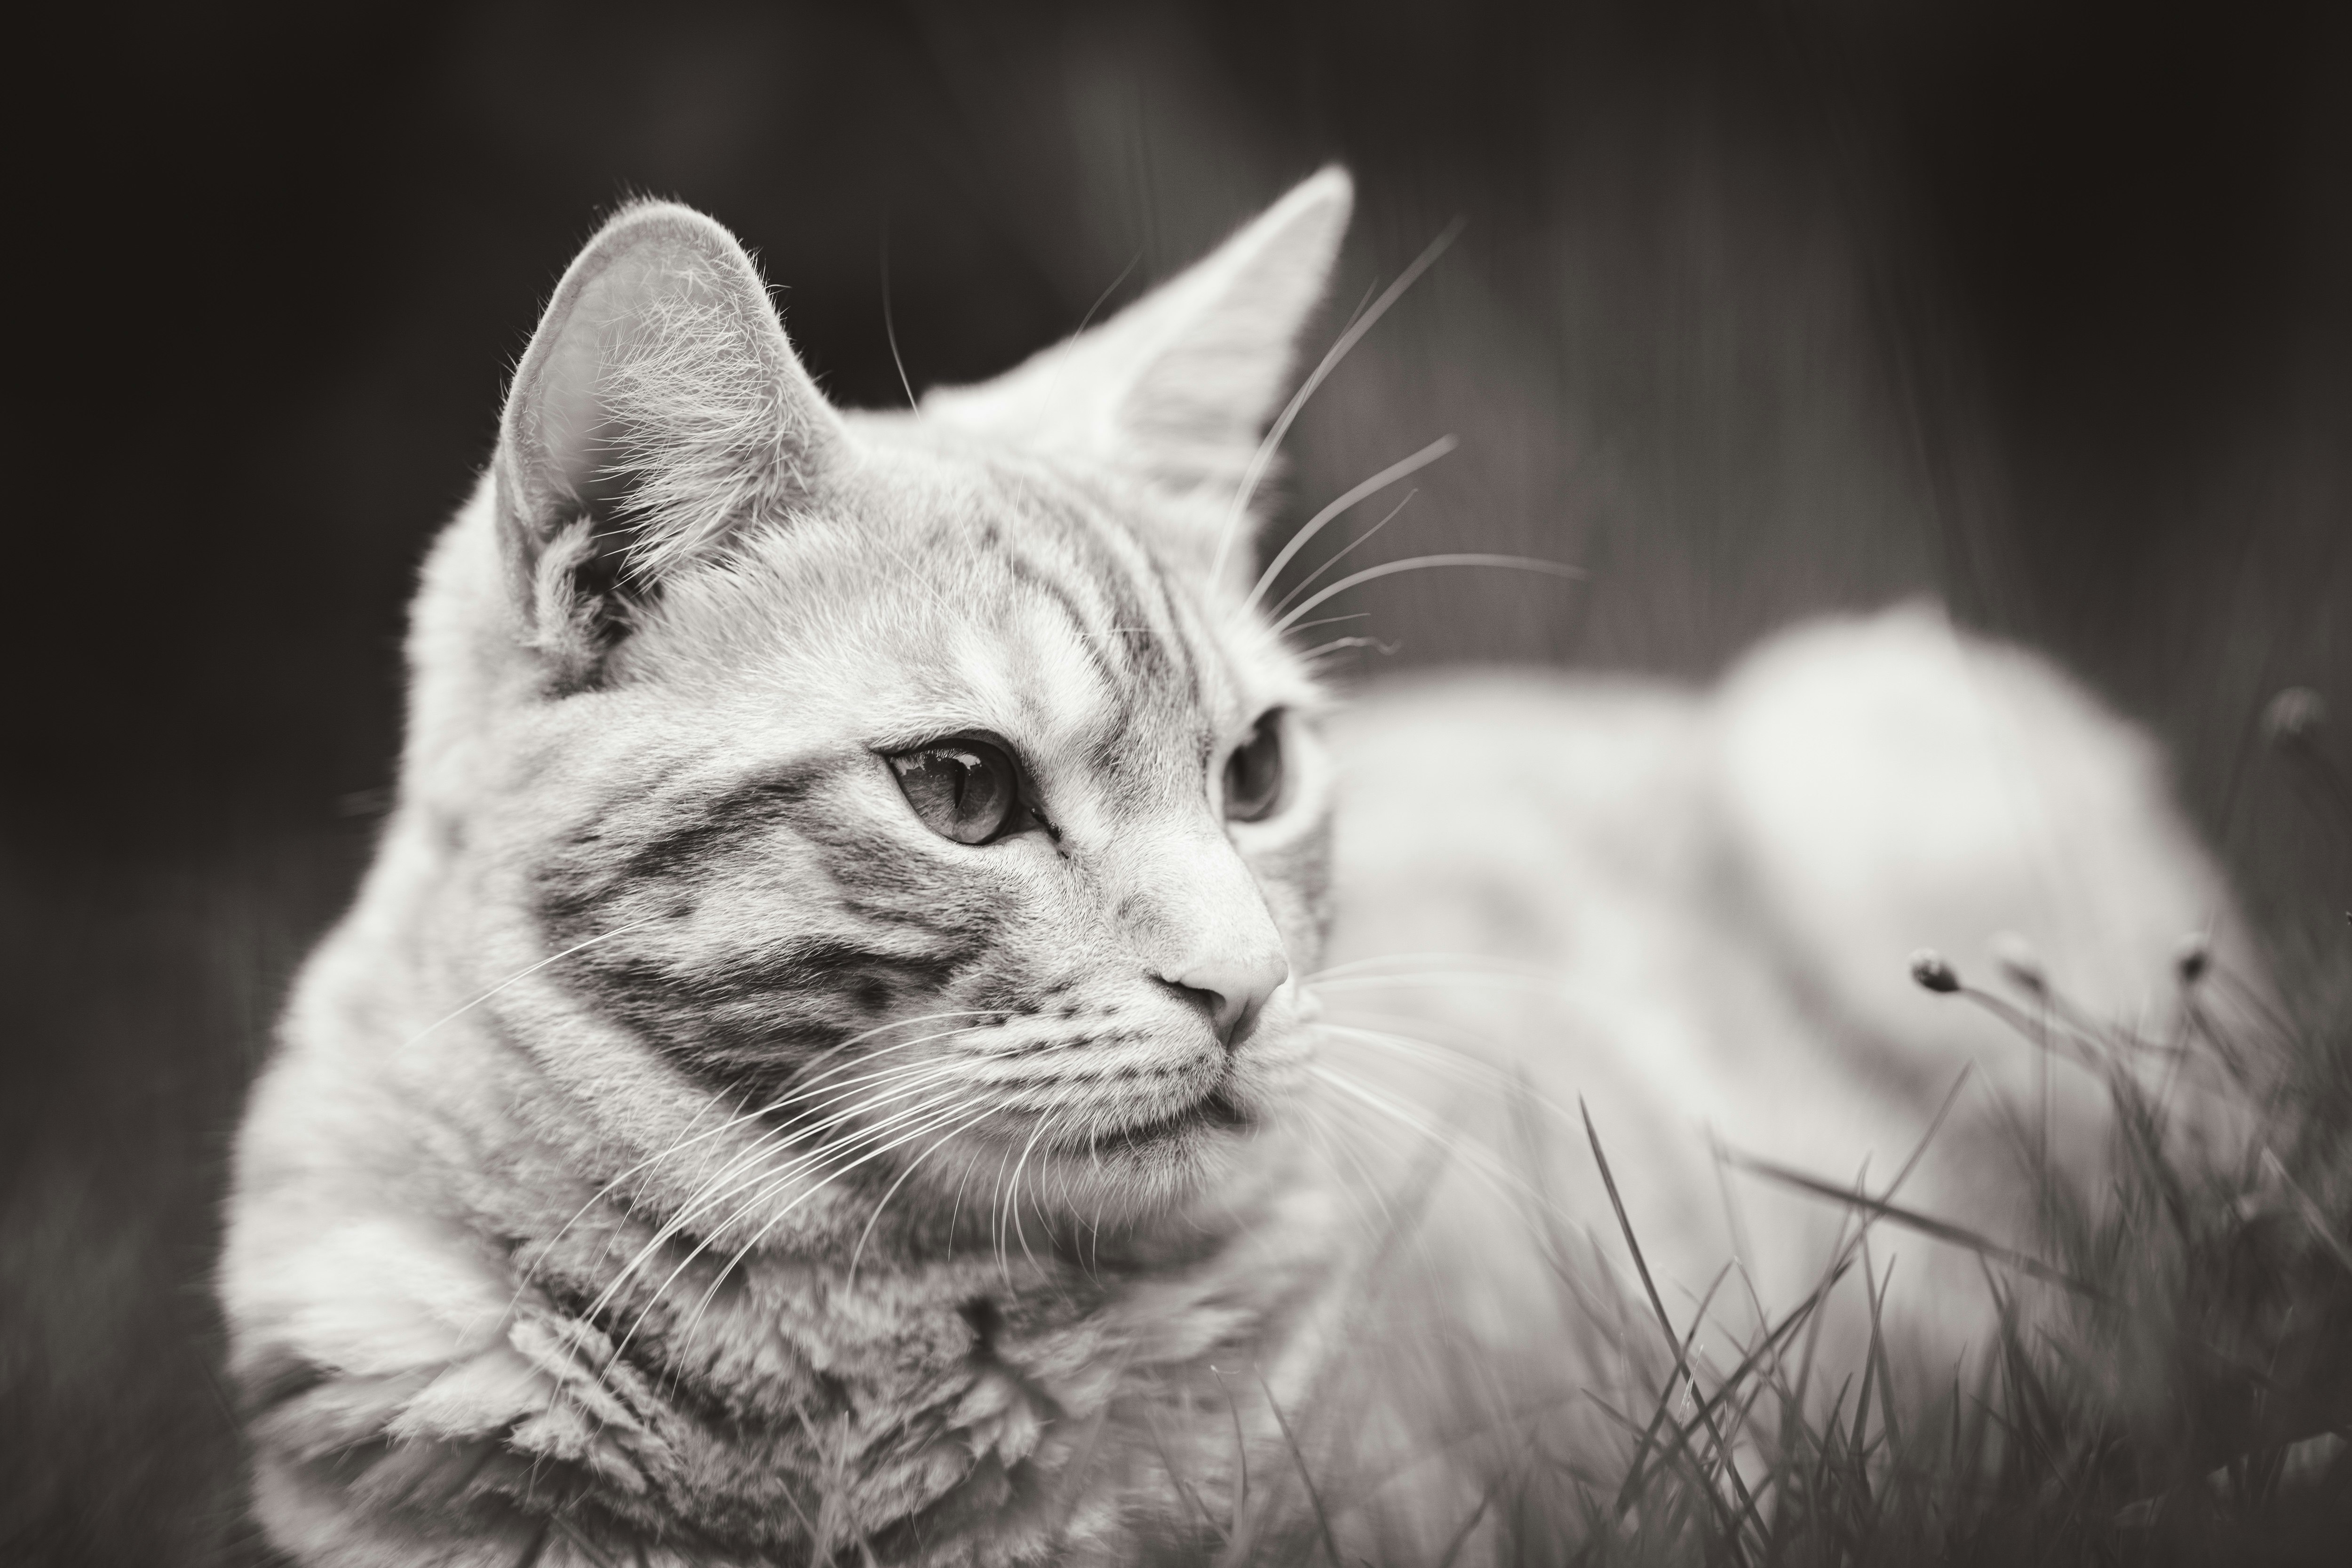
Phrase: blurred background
(1760, 307)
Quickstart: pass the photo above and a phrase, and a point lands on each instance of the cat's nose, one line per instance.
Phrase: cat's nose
(1231, 987)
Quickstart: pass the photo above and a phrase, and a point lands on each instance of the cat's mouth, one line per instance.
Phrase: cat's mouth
(1214, 1110)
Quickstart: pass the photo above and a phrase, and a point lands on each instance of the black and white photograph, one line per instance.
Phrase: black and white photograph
(880, 784)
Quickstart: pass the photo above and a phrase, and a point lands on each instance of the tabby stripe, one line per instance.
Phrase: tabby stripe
(750, 1023)
(1031, 576)
(711, 828)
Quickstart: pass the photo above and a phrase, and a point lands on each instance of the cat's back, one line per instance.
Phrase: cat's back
(1488, 811)
(1852, 790)
(1692, 911)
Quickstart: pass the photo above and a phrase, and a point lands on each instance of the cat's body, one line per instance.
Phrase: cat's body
(824, 1063)
(1696, 912)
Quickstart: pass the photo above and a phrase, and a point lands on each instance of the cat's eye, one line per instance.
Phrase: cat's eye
(965, 789)
(1254, 773)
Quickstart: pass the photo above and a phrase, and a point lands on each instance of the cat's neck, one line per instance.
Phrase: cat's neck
(923, 1377)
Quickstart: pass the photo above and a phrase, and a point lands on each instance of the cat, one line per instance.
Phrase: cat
(834, 1059)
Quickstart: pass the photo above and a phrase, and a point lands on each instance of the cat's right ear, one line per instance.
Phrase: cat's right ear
(659, 413)
(1179, 386)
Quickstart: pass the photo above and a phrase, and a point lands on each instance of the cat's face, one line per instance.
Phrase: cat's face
(952, 809)
(925, 783)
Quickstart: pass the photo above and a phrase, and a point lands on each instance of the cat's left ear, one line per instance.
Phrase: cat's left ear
(1181, 385)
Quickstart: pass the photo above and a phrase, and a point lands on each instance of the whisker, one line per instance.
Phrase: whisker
(832, 1085)
(1336, 644)
(1316, 524)
(1451, 1060)
(1341, 553)
(769, 1187)
(955, 1209)
(996, 1191)
(859, 1251)
(531, 1272)
(694, 1315)
(835, 1092)
(1421, 562)
(1536, 984)
(1062, 362)
(1364, 1186)
(522, 974)
(1478, 1162)
(1103, 298)
(682, 1142)
(891, 326)
(713, 1193)
(1465, 961)
(1255, 473)
(760, 1234)
(835, 1049)
(604, 1298)
(1013, 1195)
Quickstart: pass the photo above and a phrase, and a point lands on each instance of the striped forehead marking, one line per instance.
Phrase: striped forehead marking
(1145, 646)
(1037, 585)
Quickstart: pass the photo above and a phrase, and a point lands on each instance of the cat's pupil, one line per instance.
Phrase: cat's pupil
(963, 790)
(1254, 773)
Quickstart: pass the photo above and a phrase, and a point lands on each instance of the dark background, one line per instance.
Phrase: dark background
(1759, 308)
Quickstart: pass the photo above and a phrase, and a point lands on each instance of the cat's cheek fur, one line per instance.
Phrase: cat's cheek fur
(745, 939)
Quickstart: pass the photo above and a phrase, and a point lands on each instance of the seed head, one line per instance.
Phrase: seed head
(2019, 963)
(2191, 957)
(1930, 970)
(2295, 717)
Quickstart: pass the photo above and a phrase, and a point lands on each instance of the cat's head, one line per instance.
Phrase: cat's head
(925, 790)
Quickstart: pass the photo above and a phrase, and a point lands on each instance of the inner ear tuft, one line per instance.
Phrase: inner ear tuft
(577, 610)
(659, 414)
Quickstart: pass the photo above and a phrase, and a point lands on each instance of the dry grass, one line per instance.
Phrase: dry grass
(2185, 1398)
(2180, 1388)
(2171, 1382)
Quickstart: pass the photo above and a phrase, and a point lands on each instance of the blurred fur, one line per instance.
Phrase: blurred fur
(1696, 911)
(679, 1153)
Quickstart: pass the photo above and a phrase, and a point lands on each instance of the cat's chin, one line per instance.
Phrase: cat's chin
(1158, 1165)
(1213, 1112)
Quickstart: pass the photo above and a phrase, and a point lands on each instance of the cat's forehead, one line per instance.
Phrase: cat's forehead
(954, 590)
(1061, 607)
